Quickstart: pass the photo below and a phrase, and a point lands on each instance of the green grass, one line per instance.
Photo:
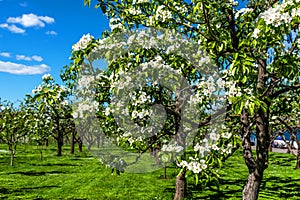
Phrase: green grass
(80, 176)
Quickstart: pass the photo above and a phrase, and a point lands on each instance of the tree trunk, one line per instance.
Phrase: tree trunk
(180, 189)
(256, 166)
(298, 160)
(251, 188)
(47, 142)
(59, 144)
(270, 147)
(72, 143)
(12, 157)
(89, 146)
(156, 154)
(79, 145)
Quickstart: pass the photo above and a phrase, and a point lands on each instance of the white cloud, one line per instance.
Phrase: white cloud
(31, 20)
(5, 54)
(12, 28)
(29, 58)
(51, 33)
(37, 58)
(16, 68)
(22, 57)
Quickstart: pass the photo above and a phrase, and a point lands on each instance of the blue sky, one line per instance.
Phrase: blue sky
(36, 38)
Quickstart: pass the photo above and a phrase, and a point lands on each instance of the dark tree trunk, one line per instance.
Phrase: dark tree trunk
(79, 145)
(59, 144)
(180, 186)
(47, 142)
(72, 143)
(255, 167)
(59, 138)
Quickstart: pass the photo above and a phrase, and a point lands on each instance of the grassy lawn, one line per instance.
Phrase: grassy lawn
(80, 176)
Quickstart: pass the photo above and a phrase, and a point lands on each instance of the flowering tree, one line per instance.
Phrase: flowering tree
(258, 44)
(40, 125)
(287, 120)
(13, 123)
(153, 99)
(53, 105)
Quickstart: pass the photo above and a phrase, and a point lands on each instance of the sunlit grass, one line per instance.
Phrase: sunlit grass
(81, 176)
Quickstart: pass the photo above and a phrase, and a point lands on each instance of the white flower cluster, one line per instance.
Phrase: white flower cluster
(115, 23)
(255, 33)
(226, 135)
(233, 90)
(38, 89)
(85, 108)
(243, 11)
(172, 148)
(139, 1)
(83, 42)
(276, 16)
(85, 81)
(46, 76)
(196, 166)
(141, 99)
(162, 14)
(233, 3)
(181, 7)
(141, 114)
(209, 86)
(134, 11)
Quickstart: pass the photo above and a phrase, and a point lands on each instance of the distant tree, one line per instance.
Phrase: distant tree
(13, 126)
(53, 105)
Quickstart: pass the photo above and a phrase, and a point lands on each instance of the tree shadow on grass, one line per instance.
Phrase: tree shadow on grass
(4, 190)
(34, 173)
(282, 188)
(54, 164)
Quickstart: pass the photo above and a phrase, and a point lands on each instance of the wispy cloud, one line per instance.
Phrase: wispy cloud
(29, 58)
(51, 33)
(12, 28)
(31, 20)
(24, 4)
(5, 54)
(16, 68)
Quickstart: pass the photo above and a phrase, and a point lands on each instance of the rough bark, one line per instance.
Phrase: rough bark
(251, 188)
(256, 167)
(180, 186)
(180, 189)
